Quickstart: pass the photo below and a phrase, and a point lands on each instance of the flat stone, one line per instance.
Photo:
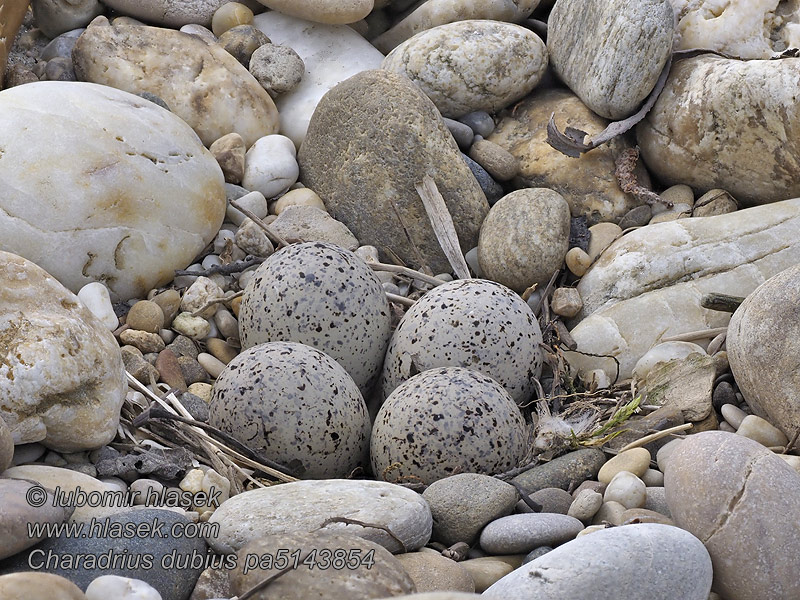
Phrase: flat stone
(486, 570)
(18, 512)
(331, 53)
(432, 572)
(94, 226)
(704, 131)
(62, 380)
(304, 505)
(202, 83)
(162, 558)
(742, 501)
(608, 563)
(586, 183)
(120, 588)
(26, 586)
(172, 13)
(552, 500)
(645, 287)
(565, 472)
(471, 65)
(462, 504)
(762, 431)
(611, 73)
(346, 162)
(311, 224)
(516, 534)
(636, 461)
(686, 384)
(761, 345)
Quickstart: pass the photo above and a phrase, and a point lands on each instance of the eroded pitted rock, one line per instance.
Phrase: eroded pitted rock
(62, 381)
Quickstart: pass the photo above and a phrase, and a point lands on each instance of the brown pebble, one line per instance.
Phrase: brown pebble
(241, 41)
(193, 371)
(498, 162)
(229, 150)
(137, 366)
(566, 302)
(170, 303)
(221, 350)
(235, 304)
(170, 370)
(147, 316)
(183, 346)
(146, 342)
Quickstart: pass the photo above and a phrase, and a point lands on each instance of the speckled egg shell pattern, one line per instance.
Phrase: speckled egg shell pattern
(290, 401)
(324, 296)
(447, 421)
(472, 323)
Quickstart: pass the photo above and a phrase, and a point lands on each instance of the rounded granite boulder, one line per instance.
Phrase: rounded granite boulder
(290, 401)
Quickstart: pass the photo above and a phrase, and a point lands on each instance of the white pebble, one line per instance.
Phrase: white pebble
(213, 332)
(96, 298)
(196, 328)
(192, 481)
(627, 489)
(586, 505)
(199, 294)
(120, 588)
(368, 253)
(212, 260)
(270, 165)
(211, 364)
(255, 202)
(733, 415)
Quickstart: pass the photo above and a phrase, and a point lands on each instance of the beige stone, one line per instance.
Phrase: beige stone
(137, 197)
(487, 570)
(708, 131)
(311, 224)
(299, 197)
(566, 302)
(760, 430)
(524, 238)
(602, 235)
(578, 262)
(331, 12)
(366, 174)
(171, 13)
(230, 15)
(741, 501)
(432, 572)
(229, 151)
(62, 380)
(30, 585)
(498, 162)
(627, 489)
(145, 315)
(686, 384)
(714, 202)
(472, 65)
(744, 28)
(441, 12)
(762, 349)
(200, 82)
(635, 461)
(648, 284)
(678, 194)
(242, 42)
(587, 183)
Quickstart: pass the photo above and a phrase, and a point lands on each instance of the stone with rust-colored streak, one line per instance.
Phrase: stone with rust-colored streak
(728, 124)
(587, 183)
(200, 82)
(610, 52)
(365, 167)
(62, 381)
(11, 14)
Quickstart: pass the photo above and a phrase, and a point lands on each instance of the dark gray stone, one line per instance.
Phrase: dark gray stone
(462, 133)
(552, 500)
(565, 472)
(158, 558)
(168, 464)
(480, 122)
(491, 189)
(517, 534)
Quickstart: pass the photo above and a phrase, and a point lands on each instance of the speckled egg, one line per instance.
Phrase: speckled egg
(324, 296)
(447, 421)
(289, 401)
(472, 323)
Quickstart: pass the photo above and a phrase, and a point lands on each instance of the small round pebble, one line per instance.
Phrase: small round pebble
(480, 122)
(602, 236)
(290, 401)
(277, 68)
(194, 327)
(762, 431)
(120, 588)
(578, 262)
(96, 298)
(585, 506)
(145, 315)
(242, 41)
(636, 461)
(499, 162)
(230, 15)
(653, 478)
(610, 512)
(169, 302)
(429, 427)
(733, 415)
(270, 165)
(627, 489)
(301, 197)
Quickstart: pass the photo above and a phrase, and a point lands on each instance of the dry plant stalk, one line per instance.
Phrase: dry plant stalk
(443, 227)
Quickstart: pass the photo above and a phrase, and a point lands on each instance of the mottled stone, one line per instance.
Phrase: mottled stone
(471, 65)
(278, 69)
(366, 174)
(565, 472)
(587, 183)
(201, 82)
(311, 224)
(706, 128)
(610, 53)
(303, 506)
(137, 197)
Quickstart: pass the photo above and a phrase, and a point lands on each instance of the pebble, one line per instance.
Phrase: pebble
(201, 390)
(198, 296)
(230, 15)
(278, 69)
(120, 588)
(311, 224)
(733, 415)
(677, 195)
(552, 500)
(211, 364)
(714, 202)
(516, 534)
(169, 301)
(146, 342)
(578, 262)
(6, 446)
(487, 570)
(610, 512)
(636, 217)
(585, 506)
(255, 202)
(627, 489)
(462, 133)
(636, 461)
(602, 236)
(192, 371)
(145, 316)
(565, 472)
(271, 166)
(193, 327)
(762, 431)
(432, 572)
(432, 445)
(609, 563)
(253, 240)
(653, 478)
(221, 350)
(491, 189)
(498, 162)
(96, 298)
(242, 42)
(183, 346)
(566, 302)
(330, 12)
(462, 504)
(26, 586)
(480, 121)
(54, 17)
(302, 505)
(229, 151)
(299, 197)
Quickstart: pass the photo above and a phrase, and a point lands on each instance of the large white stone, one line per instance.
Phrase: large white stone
(62, 381)
(331, 53)
(744, 28)
(648, 284)
(100, 185)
